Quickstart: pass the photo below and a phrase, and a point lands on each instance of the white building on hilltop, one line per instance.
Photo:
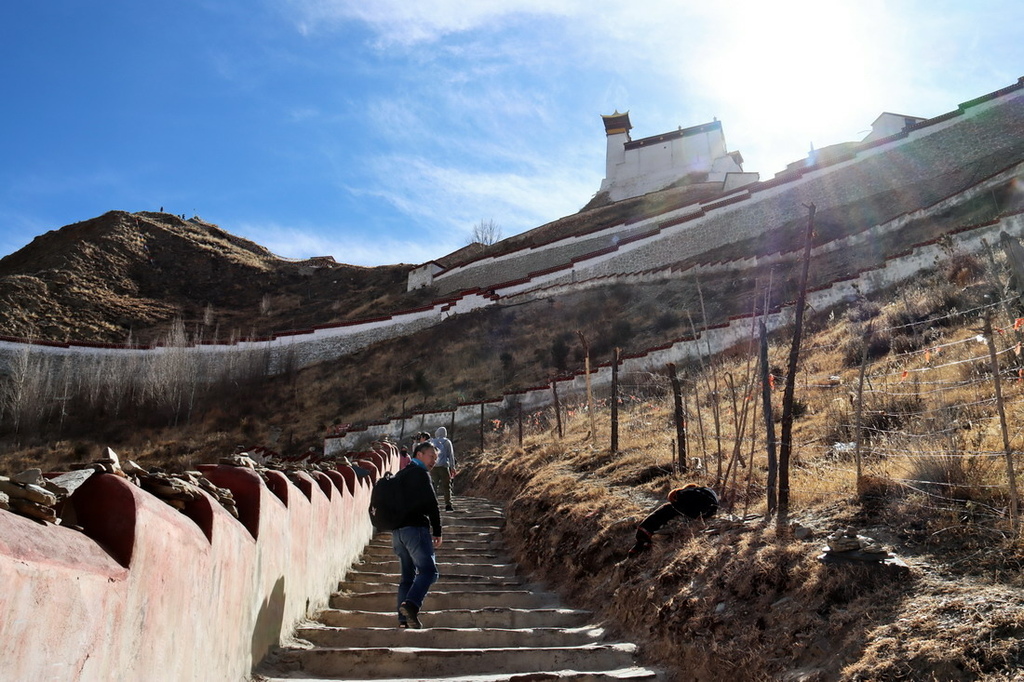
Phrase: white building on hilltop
(696, 154)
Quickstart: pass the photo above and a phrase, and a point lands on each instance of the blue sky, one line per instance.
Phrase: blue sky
(382, 131)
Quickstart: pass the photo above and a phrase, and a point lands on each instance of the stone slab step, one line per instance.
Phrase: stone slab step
(495, 548)
(505, 618)
(483, 565)
(376, 663)
(484, 621)
(391, 577)
(439, 600)
(450, 638)
(445, 582)
(632, 673)
(446, 548)
(467, 534)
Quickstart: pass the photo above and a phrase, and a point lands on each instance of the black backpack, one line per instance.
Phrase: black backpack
(387, 503)
(695, 502)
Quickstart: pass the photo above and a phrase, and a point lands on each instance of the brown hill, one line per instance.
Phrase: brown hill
(124, 275)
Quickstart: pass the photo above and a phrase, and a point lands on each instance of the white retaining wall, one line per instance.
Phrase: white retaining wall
(709, 342)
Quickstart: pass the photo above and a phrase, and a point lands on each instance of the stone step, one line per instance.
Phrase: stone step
(442, 556)
(439, 600)
(629, 674)
(475, 547)
(390, 662)
(451, 526)
(470, 575)
(469, 531)
(385, 583)
(496, 617)
(479, 522)
(482, 622)
(461, 564)
(450, 638)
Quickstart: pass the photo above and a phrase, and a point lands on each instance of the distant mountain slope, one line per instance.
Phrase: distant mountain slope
(134, 273)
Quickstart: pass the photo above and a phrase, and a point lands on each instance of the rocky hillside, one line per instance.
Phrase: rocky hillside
(129, 275)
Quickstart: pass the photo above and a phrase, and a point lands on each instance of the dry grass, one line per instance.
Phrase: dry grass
(736, 598)
(742, 598)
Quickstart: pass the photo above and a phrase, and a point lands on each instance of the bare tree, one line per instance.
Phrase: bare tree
(486, 232)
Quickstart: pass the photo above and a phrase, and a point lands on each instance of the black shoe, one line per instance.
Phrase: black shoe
(448, 507)
(411, 613)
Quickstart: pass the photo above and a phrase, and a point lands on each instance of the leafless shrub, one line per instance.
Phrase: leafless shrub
(962, 269)
(485, 232)
(954, 476)
(878, 345)
(862, 311)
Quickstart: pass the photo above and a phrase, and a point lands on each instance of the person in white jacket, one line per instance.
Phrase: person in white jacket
(444, 471)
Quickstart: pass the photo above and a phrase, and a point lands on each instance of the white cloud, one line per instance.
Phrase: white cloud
(407, 23)
(447, 201)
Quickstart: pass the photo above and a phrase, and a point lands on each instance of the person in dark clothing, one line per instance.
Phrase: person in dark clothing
(691, 500)
(417, 535)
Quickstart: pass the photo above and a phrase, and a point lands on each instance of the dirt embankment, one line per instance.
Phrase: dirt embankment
(737, 600)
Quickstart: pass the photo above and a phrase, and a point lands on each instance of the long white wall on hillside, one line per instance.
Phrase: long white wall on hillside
(709, 342)
(275, 355)
(575, 278)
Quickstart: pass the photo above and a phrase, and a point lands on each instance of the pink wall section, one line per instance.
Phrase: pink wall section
(150, 593)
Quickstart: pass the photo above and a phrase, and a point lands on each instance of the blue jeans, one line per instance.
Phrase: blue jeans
(414, 546)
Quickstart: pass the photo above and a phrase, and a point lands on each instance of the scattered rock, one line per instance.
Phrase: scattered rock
(239, 460)
(30, 492)
(801, 532)
(847, 546)
(29, 477)
(133, 469)
(27, 494)
(33, 510)
(70, 482)
(111, 464)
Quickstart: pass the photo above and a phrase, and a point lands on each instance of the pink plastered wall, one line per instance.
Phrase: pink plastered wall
(150, 593)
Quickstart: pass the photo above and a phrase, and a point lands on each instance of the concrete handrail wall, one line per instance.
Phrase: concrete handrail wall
(150, 593)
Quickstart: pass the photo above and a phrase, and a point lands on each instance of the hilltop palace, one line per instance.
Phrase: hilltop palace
(698, 153)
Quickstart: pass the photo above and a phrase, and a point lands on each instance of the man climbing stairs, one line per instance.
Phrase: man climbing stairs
(481, 621)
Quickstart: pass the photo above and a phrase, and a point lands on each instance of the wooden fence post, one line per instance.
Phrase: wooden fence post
(769, 422)
(858, 420)
(677, 395)
(481, 428)
(790, 390)
(558, 408)
(1014, 522)
(590, 393)
(615, 401)
(520, 405)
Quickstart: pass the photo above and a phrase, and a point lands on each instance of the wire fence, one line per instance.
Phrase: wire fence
(924, 422)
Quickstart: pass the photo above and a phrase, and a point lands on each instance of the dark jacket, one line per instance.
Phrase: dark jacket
(693, 502)
(420, 500)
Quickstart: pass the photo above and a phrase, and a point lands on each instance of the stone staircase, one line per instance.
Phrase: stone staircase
(482, 622)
